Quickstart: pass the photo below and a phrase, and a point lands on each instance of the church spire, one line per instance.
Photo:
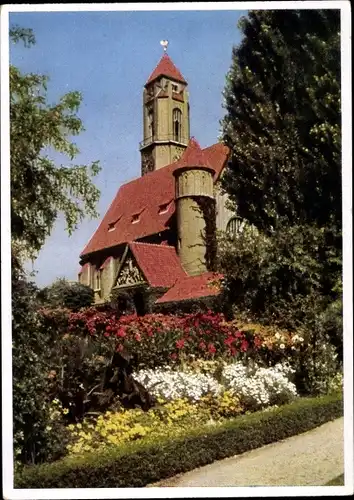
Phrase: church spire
(165, 67)
(165, 115)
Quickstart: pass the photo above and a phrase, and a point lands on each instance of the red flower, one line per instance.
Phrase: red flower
(244, 345)
(121, 333)
(119, 348)
(106, 334)
(211, 348)
(229, 340)
(108, 328)
(173, 355)
(257, 342)
(138, 337)
(238, 334)
(202, 345)
(233, 351)
(180, 344)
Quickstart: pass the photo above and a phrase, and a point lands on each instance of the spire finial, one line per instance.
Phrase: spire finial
(164, 44)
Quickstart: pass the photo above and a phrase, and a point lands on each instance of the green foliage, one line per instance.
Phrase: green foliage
(68, 295)
(34, 440)
(40, 189)
(141, 463)
(270, 276)
(282, 122)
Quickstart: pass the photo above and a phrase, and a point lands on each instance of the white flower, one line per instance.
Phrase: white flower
(282, 346)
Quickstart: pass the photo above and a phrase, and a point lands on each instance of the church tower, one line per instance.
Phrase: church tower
(165, 116)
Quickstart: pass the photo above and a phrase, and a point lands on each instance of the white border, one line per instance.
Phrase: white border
(195, 6)
(9, 492)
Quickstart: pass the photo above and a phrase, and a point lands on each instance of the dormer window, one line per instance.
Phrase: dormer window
(135, 218)
(163, 208)
(112, 225)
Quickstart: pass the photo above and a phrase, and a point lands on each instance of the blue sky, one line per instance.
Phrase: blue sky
(108, 56)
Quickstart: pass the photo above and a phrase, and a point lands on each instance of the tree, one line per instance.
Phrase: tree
(282, 125)
(40, 189)
(282, 122)
(69, 295)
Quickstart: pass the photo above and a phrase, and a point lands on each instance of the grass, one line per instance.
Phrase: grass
(337, 481)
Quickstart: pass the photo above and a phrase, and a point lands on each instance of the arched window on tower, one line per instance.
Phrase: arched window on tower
(151, 124)
(177, 124)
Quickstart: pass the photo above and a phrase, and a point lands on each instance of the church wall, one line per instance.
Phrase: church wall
(223, 214)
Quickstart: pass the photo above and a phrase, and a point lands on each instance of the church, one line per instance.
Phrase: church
(159, 232)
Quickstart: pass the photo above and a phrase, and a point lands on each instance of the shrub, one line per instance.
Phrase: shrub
(30, 365)
(140, 463)
(158, 340)
(62, 293)
(258, 387)
(117, 428)
(171, 384)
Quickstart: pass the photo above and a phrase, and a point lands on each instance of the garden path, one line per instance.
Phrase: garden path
(309, 459)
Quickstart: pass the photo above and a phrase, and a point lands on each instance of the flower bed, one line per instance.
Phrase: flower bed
(137, 464)
(159, 339)
(186, 398)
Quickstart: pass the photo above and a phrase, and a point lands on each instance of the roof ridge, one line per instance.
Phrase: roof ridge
(151, 244)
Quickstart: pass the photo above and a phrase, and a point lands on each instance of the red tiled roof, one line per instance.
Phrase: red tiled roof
(191, 287)
(166, 67)
(144, 196)
(159, 263)
(194, 156)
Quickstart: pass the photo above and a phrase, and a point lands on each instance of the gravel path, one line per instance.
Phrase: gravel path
(309, 459)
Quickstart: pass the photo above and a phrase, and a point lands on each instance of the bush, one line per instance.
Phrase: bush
(171, 384)
(158, 339)
(258, 387)
(138, 464)
(62, 293)
(117, 428)
(30, 364)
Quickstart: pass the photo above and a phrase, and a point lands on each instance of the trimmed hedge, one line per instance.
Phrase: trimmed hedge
(143, 462)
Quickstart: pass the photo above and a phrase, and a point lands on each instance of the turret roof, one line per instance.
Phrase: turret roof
(165, 67)
(194, 156)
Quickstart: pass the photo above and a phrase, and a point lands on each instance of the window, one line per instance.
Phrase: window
(111, 226)
(163, 208)
(177, 124)
(135, 218)
(98, 279)
(174, 88)
(151, 124)
(234, 226)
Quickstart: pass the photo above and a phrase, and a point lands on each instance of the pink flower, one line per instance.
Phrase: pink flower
(180, 344)
(138, 337)
(244, 345)
(211, 348)
(121, 333)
